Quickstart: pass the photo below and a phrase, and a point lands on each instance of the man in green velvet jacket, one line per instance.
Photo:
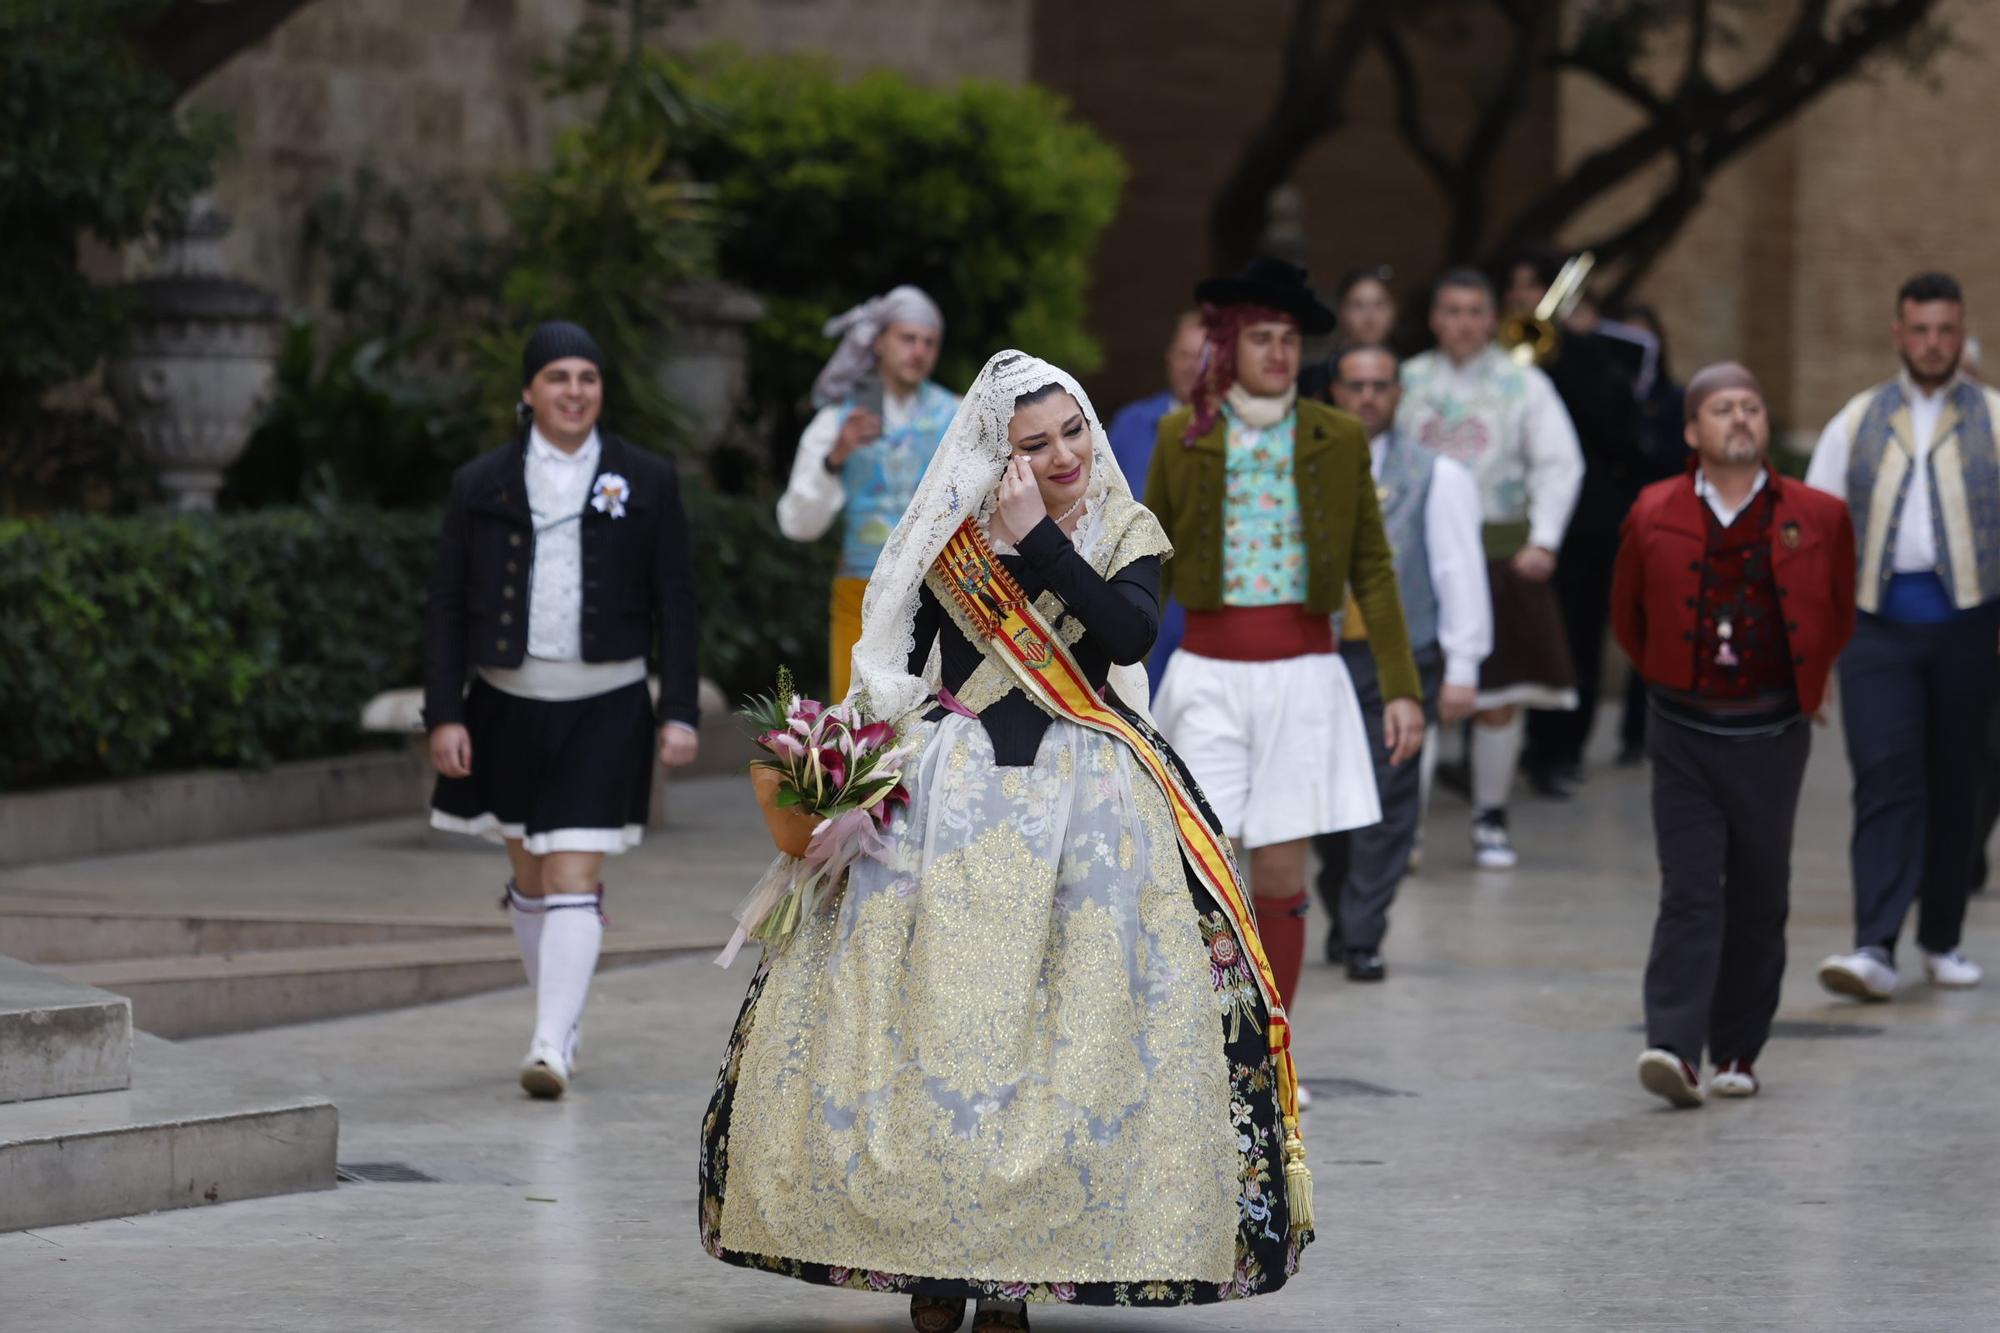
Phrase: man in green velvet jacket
(1273, 513)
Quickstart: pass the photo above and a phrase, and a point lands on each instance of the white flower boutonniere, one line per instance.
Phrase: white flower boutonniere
(609, 494)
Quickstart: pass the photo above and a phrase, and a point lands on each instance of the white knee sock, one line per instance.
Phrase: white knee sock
(1496, 753)
(526, 914)
(572, 930)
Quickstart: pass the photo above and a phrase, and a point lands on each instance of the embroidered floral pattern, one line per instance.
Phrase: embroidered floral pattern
(1266, 1249)
(1263, 532)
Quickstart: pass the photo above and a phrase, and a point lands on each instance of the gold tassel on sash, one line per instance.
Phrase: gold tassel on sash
(1298, 1178)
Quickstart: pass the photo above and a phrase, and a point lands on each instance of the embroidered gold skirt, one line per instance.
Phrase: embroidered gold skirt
(1022, 1055)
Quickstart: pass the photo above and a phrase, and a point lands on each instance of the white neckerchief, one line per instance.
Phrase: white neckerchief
(1725, 513)
(1257, 412)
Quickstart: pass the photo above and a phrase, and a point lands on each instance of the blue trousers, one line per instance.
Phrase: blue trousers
(1915, 700)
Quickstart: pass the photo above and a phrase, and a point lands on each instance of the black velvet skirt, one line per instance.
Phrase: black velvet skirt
(569, 776)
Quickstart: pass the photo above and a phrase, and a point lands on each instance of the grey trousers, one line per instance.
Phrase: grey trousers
(1723, 811)
(1361, 869)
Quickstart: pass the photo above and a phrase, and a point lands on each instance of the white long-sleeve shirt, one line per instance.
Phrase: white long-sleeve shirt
(1457, 559)
(814, 496)
(1508, 426)
(1916, 543)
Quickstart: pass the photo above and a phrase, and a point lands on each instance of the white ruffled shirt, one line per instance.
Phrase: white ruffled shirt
(558, 486)
(553, 670)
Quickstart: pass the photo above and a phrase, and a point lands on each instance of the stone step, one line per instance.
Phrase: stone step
(38, 931)
(189, 1131)
(192, 996)
(60, 1037)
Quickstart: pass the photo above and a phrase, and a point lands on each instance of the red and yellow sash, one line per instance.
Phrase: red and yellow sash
(994, 607)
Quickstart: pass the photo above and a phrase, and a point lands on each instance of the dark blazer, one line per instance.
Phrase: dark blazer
(1120, 616)
(1345, 541)
(1656, 584)
(638, 579)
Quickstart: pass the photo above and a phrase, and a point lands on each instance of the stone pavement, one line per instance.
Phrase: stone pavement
(1485, 1158)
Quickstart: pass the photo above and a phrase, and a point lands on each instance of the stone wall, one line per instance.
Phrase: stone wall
(448, 90)
(1793, 261)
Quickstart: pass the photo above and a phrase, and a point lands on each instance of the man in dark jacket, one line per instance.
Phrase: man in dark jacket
(1599, 397)
(1733, 594)
(565, 560)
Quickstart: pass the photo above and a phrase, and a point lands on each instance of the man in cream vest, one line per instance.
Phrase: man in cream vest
(1916, 461)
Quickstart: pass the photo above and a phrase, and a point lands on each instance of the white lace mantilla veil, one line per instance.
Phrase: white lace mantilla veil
(963, 479)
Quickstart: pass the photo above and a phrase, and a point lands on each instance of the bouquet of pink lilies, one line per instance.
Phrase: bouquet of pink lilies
(828, 787)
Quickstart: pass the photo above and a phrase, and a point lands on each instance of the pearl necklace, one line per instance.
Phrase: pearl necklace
(1064, 517)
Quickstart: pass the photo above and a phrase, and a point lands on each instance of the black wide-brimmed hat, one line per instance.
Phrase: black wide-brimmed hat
(1273, 283)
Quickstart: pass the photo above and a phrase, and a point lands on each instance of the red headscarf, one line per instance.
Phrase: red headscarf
(1222, 324)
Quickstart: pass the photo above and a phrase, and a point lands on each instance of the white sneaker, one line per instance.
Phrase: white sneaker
(544, 1073)
(1735, 1079)
(1666, 1075)
(1865, 974)
(1492, 849)
(1953, 970)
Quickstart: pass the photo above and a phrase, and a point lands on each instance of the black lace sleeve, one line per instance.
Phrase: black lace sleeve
(929, 616)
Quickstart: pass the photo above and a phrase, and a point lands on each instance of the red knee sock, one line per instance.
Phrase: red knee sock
(1281, 923)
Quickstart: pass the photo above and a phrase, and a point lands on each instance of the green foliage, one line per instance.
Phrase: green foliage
(167, 642)
(158, 642)
(607, 232)
(362, 428)
(829, 191)
(604, 237)
(763, 598)
(92, 145)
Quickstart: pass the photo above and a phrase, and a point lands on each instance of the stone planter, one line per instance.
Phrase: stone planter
(707, 360)
(198, 360)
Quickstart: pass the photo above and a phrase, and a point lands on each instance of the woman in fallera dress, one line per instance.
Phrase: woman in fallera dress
(1032, 1052)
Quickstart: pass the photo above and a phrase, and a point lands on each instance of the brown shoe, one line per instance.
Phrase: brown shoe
(936, 1314)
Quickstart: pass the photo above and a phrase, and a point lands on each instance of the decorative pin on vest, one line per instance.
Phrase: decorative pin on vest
(608, 495)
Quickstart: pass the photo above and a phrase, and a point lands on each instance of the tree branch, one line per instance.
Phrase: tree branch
(1311, 103)
(1470, 203)
(1805, 66)
(1409, 109)
(190, 39)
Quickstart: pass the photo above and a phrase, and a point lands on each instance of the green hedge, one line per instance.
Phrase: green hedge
(159, 642)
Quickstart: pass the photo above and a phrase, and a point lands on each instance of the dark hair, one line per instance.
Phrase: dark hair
(1929, 287)
(1341, 354)
(1546, 262)
(1470, 279)
(1049, 390)
(1354, 277)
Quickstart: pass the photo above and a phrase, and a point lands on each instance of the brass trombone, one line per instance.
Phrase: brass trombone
(1535, 339)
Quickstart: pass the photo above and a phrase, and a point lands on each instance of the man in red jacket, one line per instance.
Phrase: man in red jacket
(1733, 593)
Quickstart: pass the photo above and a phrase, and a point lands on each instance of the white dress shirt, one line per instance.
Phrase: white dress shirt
(1457, 557)
(814, 497)
(1916, 542)
(1725, 513)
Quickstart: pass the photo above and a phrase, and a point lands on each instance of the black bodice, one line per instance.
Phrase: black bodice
(1120, 618)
